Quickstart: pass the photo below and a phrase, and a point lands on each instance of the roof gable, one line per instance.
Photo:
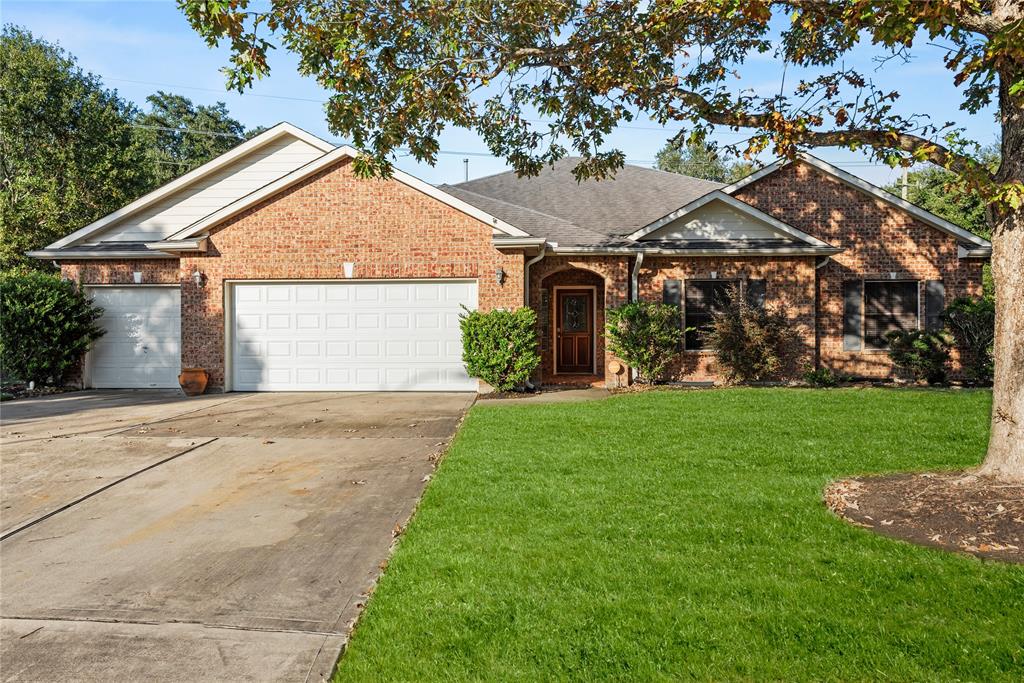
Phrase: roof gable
(926, 217)
(218, 181)
(704, 219)
(335, 156)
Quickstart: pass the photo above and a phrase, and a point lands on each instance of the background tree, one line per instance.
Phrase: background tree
(937, 190)
(172, 150)
(701, 161)
(401, 73)
(68, 152)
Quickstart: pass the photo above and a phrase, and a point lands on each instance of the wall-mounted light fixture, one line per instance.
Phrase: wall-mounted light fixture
(137, 277)
(199, 278)
(349, 268)
(499, 275)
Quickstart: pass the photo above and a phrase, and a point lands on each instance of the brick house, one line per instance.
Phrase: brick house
(274, 267)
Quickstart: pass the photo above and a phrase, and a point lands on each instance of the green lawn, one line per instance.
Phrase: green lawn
(682, 535)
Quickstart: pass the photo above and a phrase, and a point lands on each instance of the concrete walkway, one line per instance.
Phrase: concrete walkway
(148, 536)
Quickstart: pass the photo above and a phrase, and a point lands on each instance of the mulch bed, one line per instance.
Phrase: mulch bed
(13, 391)
(955, 511)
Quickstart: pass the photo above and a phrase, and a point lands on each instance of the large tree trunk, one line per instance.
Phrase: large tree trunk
(1005, 458)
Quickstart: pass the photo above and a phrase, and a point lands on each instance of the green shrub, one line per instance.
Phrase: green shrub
(646, 335)
(821, 377)
(500, 347)
(920, 354)
(753, 343)
(46, 324)
(972, 323)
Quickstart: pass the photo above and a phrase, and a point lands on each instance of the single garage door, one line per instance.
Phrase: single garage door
(142, 346)
(350, 336)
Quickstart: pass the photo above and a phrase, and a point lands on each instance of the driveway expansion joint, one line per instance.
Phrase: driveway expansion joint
(81, 499)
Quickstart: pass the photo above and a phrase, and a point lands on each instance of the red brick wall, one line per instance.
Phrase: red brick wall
(610, 274)
(154, 272)
(877, 239)
(309, 231)
(789, 283)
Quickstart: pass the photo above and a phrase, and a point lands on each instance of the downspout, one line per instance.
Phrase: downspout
(526, 273)
(634, 294)
(526, 286)
(817, 307)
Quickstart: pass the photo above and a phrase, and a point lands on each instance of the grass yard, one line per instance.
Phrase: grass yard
(682, 535)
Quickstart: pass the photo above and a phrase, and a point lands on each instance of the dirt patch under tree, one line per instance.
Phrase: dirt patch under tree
(954, 511)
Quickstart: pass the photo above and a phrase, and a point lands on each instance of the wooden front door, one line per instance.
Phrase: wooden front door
(574, 331)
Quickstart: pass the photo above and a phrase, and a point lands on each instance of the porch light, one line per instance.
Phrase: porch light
(499, 275)
(199, 279)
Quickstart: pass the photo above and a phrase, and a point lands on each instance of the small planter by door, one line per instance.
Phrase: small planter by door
(193, 381)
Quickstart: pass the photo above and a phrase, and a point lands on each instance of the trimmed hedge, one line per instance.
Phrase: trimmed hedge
(500, 347)
(646, 335)
(46, 324)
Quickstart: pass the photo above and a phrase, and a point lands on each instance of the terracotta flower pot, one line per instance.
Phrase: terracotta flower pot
(193, 381)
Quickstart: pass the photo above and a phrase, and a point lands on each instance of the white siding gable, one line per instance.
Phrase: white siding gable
(208, 194)
(716, 220)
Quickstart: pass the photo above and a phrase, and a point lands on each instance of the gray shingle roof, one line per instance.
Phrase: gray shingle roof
(551, 228)
(618, 206)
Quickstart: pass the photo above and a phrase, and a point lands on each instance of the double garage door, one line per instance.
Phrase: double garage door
(298, 336)
(349, 336)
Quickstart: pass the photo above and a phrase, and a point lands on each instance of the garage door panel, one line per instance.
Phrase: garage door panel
(141, 347)
(350, 336)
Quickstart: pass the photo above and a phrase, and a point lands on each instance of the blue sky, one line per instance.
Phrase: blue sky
(142, 46)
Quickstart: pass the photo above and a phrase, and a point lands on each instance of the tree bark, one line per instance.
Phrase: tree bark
(1005, 457)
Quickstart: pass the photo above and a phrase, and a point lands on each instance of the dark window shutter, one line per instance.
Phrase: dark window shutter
(757, 293)
(853, 320)
(672, 292)
(934, 304)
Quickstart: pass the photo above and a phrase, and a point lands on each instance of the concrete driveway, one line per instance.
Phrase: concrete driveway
(230, 537)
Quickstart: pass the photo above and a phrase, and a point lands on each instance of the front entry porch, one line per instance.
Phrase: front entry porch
(570, 305)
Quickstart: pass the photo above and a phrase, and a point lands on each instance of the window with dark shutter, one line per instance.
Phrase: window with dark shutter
(704, 298)
(888, 306)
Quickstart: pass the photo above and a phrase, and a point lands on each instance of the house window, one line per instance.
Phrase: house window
(704, 298)
(888, 306)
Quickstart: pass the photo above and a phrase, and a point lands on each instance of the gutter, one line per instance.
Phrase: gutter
(658, 251)
(71, 255)
(526, 273)
(195, 244)
(501, 242)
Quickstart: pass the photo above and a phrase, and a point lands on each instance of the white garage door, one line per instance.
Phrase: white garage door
(142, 346)
(352, 336)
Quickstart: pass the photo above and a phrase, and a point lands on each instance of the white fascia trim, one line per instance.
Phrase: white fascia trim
(195, 244)
(753, 251)
(72, 255)
(508, 242)
(917, 212)
(335, 155)
(206, 169)
(826, 250)
(976, 252)
(719, 195)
